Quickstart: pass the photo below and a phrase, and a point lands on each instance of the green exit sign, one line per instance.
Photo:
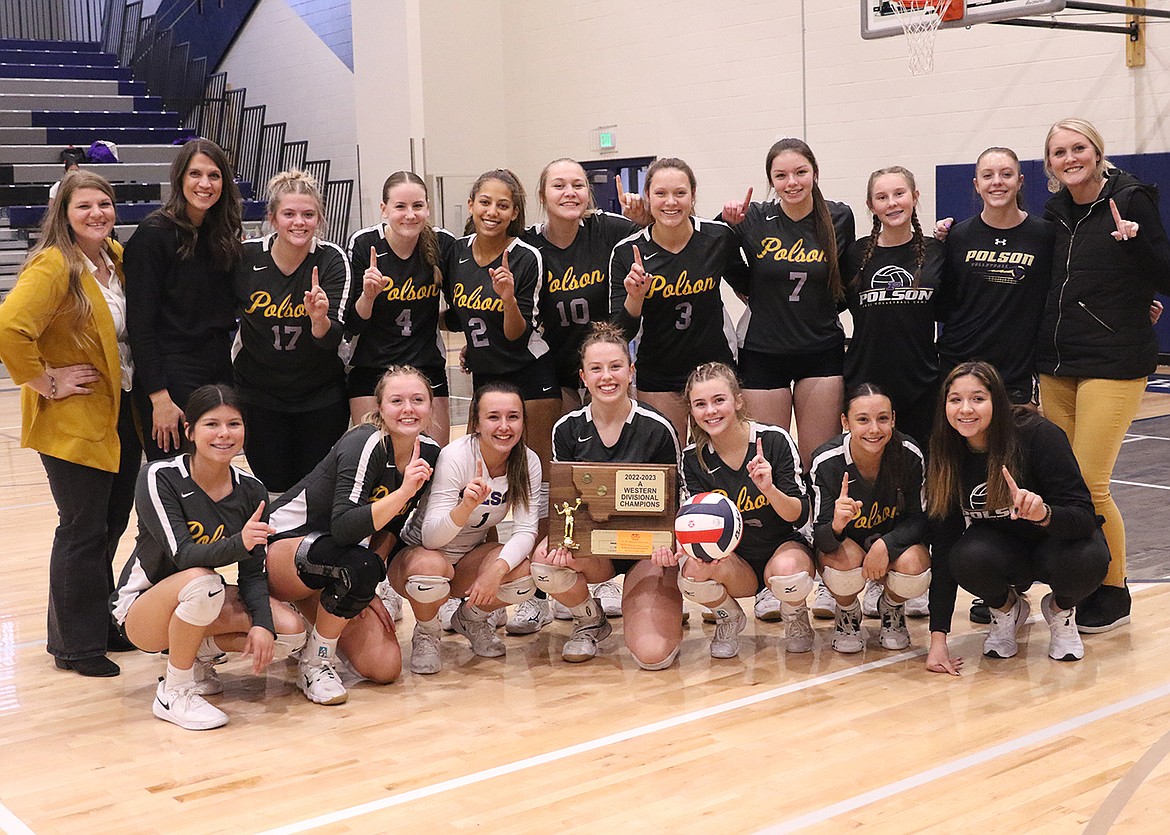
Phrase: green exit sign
(606, 140)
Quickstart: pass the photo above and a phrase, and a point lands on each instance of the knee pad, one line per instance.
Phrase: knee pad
(347, 576)
(517, 591)
(843, 583)
(553, 579)
(291, 642)
(427, 588)
(791, 588)
(907, 586)
(201, 600)
(703, 592)
(661, 665)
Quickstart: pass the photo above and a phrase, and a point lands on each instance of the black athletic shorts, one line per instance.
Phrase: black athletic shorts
(780, 371)
(536, 381)
(361, 381)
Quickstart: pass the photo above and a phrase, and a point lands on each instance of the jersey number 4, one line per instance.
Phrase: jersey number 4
(284, 337)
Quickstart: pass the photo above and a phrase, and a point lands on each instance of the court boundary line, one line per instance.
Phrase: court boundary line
(930, 775)
(1116, 801)
(1139, 484)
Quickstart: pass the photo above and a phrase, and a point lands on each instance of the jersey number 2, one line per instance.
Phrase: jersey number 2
(478, 328)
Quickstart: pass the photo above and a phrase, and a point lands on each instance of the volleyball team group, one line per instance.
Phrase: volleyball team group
(919, 463)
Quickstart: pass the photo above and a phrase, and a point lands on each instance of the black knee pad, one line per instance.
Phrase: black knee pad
(346, 575)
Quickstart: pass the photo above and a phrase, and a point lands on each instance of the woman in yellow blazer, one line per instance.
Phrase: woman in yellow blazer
(63, 338)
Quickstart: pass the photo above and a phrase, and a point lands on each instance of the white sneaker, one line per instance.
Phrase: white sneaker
(446, 610)
(824, 605)
(425, 659)
(893, 634)
(869, 600)
(497, 617)
(1065, 643)
(729, 622)
(186, 708)
(530, 616)
(484, 640)
(582, 644)
(610, 595)
(207, 681)
(918, 607)
(1001, 638)
(559, 610)
(767, 607)
(847, 637)
(391, 599)
(798, 631)
(320, 682)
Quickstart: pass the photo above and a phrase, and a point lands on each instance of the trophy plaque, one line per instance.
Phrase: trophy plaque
(622, 511)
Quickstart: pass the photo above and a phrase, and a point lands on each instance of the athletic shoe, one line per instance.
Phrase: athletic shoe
(425, 659)
(767, 607)
(1105, 609)
(729, 622)
(798, 631)
(446, 610)
(980, 611)
(582, 644)
(918, 607)
(1065, 643)
(1001, 638)
(893, 634)
(610, 595)
(869, 600)
(847, 637)
(391, 599)
(497, 617)
(530, 616)
(320, 682)
(484, 640)
(207, 681)
(824, 604)
(186, 708)
(559, 610)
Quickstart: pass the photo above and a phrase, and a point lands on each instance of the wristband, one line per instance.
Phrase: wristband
(1047, 515)
(52, 386)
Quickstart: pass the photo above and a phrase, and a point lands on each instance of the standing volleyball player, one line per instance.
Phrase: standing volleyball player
(396, 312)
(292, 289)
(197, 513)
(335, 528)
(757, 466)
(614, 428)
(665, 289)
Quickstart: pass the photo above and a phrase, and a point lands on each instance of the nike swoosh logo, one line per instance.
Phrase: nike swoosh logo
(714, 469)
(164, 704)
(188, 495)
(424, 588)
(436, 386)
(258, 269)
(771, 217)
(214, 593)
(546, 388)
(464, 260)
(648, 256)
(586, 438)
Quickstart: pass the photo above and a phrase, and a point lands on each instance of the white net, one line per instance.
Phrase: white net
(920, 20)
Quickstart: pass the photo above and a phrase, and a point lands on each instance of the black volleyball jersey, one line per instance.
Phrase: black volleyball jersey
(646, 438)
(480, 312)
(895, 513)
(336, 496)
(280, 364)
(894, 321)
(576, 284)
(684, 323)
(790, 308)
(993, 294)
(403, 328)
(181, 527)
(763, 529)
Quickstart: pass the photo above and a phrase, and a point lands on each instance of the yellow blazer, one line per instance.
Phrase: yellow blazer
(82, 428)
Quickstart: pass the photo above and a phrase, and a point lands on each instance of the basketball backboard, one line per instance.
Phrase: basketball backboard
(879, 21)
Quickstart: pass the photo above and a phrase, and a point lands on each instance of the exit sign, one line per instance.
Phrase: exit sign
(605, 139)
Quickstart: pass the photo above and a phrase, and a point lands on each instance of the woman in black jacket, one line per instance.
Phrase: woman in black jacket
(1097, 344)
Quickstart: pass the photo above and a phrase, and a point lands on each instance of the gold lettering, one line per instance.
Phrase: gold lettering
(795, 253)
(571, 281)
(682, 286)
(408, 292)
(474, 300)
(285, 309)
(199, 535)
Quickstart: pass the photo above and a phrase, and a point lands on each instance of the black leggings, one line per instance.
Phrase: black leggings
(284, 447)
(985, 561)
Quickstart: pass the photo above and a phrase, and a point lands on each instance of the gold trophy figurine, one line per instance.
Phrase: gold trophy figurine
(567, 511)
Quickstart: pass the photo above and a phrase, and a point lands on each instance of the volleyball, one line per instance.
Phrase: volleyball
(708, 526)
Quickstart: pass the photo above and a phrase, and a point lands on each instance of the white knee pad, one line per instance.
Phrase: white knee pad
(792, 588)
(703, 592)
(201, 600)
(427, 588)
(554, 579)
(661, 665)
(291, 642)
(843, 583)
(517, 591)
(907, 586)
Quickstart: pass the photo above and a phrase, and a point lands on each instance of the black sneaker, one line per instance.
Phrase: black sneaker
(1105, 609)
(980, 611)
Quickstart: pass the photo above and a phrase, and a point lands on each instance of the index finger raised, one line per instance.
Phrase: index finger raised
(621, 187)
(1011, 482)
(1116, 215)
(258, 512)
(760, 447)
(316, 282)
(373, 258)
(845, 486)
(637, 256)
(747, 200)
(479, 468)
(504, 262)
(417, 449)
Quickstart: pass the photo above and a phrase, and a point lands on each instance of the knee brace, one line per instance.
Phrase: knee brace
(907, 586)
(704, 592)
(843, 583)
(291, 642)
(661, 665)
(347, 576)
(553, 579)
(201, 600)
(427, 588)
(791, 588)
(517, 591)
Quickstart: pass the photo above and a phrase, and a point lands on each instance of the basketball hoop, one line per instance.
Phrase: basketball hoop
(920, 20)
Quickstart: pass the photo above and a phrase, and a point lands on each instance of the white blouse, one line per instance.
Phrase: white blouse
(115, 297)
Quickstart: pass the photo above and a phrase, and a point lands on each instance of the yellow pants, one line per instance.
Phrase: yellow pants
(1096, 414)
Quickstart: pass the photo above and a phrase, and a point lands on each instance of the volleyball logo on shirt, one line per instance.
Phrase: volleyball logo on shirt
(977, 505)
(892, 284)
